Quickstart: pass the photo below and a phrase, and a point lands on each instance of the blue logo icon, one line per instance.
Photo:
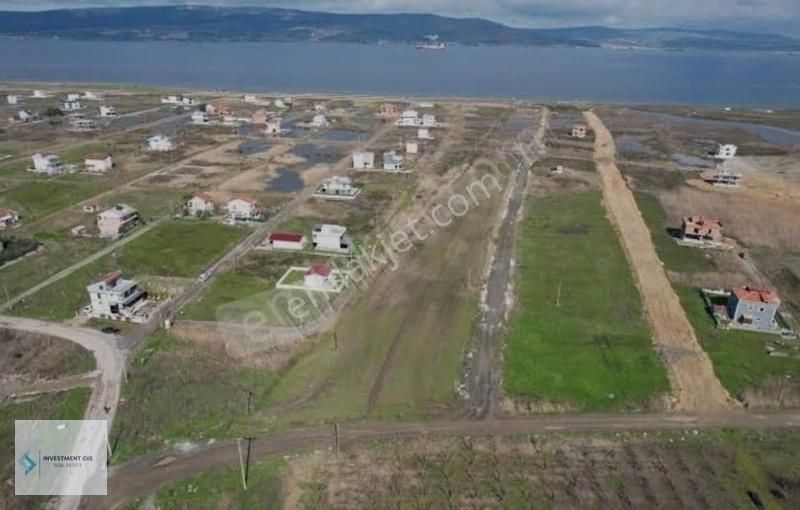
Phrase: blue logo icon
(28, 463)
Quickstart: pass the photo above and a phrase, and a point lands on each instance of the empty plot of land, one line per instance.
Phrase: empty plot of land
(694, 385)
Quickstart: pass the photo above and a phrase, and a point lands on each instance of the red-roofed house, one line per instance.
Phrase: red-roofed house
(8, 218)
(286, 241)
(701, 230)
(319, 277)
(754, 308)
(201, 204)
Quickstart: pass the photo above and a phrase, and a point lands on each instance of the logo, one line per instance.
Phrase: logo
(27, 463)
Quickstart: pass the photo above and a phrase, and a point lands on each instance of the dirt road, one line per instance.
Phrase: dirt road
(484, 370)
(110, 362)
(695, 387)
(144, 475)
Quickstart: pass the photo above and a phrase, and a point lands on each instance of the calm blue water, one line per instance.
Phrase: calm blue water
(538, 73)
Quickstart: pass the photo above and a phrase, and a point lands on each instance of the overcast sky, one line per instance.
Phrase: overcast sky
(753, 15)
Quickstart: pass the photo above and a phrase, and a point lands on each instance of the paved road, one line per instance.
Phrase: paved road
(110, 362)
(484, 378)
(83, 263)
(144, 475)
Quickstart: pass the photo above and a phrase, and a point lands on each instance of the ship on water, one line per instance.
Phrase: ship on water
(431, 46)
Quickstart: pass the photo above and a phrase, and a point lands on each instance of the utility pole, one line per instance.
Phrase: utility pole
(335, 341)
(558, 296)
(336, 437)
(241, 463)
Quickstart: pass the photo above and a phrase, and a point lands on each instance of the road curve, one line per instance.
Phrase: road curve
(142, 476)
(110, 361)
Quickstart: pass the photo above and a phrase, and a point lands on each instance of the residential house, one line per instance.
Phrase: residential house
(753, 308)
(178, 100)
(27, 116)
(259, 117)
(99, 162)
(112, 297)
(388, 110)
(319, 277)
(702, 230)
(337, 188)
(108, 111)
(219, 109)
(8, 218)
(40, 94)
(72, 97)
(579, 130)
(114, 222)
(726, 179)
(90, 95)
(364, 160)
(429, 121)
(12, 99)
(199, 117)
(46, 164)
(409, 118)
(392, 161)
(425, 104)
(319, 121)
(320, 107)
(282, 104)
(424, 134)
(412, 148)
(250, 98)
(71, 106)
(244, 208)
(273, 126)
(160, 143)
(286, 241)
(201, 204)
(333, 238)
(725, 151)
(78, 123)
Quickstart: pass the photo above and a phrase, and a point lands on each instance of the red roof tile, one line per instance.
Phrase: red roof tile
(756, 295)
(323, 270)
(285, 236)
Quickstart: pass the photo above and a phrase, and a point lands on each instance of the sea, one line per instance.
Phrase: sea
(768, 80)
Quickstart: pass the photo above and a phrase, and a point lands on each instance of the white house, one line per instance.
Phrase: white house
(99, 162)
(429, 121)
(273, 126)
(178, 99)
(160, 143)
(286, 241)
(114, 222)
(199, 117)
(392, 161)
(46, 164)
(12, 99)
(113, 297)
(409, 118)
(334, 238)
(200, 205)
(250, 98)
(319, 121)
(320, 107)
(424, 134)
(319, 277)
(337, 188)
(92, 96)
(8, 218)
(40, 94)
(73, 97)
(725, 151)
(244, 208)
(364, 160)
(71, 106)
(412, 148)
(78, 123)
(108, 111)
(27, 116)
(279, 103)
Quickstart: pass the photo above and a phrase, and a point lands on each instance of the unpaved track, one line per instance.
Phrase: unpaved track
(144, 475)
(695, 387)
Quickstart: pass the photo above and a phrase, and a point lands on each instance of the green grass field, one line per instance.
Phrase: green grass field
(681, 259)
(578, 336)
(179, 248)
(37, 199)
(179, 392)
(739, 358)
(174, 249)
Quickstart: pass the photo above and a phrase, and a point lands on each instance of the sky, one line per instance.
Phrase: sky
(781, 16)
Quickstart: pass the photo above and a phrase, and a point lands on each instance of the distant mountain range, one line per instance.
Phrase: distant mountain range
(268, 24)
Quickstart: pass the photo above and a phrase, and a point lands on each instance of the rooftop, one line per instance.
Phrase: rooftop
(756, 295)
(323, 270)
(285, 236)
